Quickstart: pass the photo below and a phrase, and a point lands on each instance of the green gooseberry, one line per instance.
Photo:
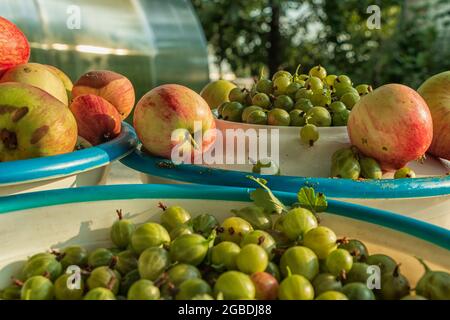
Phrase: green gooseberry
(37, 288)
(237, 95)
(332, 295)
(182, 272)
(153, 262)
(321, 240)
(235, 285)
(99, 294)
(261, 100)
(126, 261)
(149, 235)
(191, 288)
(324, 282)
(297, 222)
(256, 216)
(173, 217)
(358, 291)
(295, 287)
(304, 93)
(233, 112)
(204, 224)
(74, 256)
(104, 277)
(143, 290)
(260, 238)
(264, 86)
(40, 266)
(337, 106)
(224, 255)
(350, 99)
(190, 249)
(252, 258)
(340, 119)
(257, 117)
(404, 173)
(278, 117)
(299, 260)
(319, 116)
(370, 168)
(297, 118)
(284, 102)
(66, 291)
(121, 231)
(180, 230)
(100, 257)
(249, 110)
(234, 229)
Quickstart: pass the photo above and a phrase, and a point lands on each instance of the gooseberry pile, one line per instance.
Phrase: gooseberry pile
(315, 98)
(350, 163)
(265, 251)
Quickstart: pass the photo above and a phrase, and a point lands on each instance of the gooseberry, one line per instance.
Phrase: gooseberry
(149, 235)
(121, 231)
(252, 258)
(235, 285)
(191, 288)
(321, 240)
(173, 217)
(224, 254)
(153, 262)
(299, 260)
(143, 290)
(37, 288)
(234, 229)
(266, 286)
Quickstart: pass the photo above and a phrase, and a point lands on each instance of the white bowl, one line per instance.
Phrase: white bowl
(83, 216)
(426, 198)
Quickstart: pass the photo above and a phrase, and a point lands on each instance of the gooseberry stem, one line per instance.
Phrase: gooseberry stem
(17, 282)
(422, 262)
(162, 206)
(119, 214)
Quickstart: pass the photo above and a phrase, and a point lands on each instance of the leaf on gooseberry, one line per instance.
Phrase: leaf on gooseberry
(308, 199)
(264, 198)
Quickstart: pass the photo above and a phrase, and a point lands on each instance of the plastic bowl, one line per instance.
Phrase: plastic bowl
(86, 167)
(83, 216)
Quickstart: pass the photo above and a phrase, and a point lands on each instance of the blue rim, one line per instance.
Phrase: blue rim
(71, 163)
(337, 188)
(428, 232)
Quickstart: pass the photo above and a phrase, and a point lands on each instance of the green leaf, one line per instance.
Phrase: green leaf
(308, 199)
(264, 198)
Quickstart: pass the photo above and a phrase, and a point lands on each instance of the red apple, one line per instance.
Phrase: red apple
(111, 86)
(33, 123)
(391, 124)
(98, 120)
(14, 46)
(436, 92)
(165, 118)
(266, 286)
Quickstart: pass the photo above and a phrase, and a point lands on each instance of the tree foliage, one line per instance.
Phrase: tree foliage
(277, 34)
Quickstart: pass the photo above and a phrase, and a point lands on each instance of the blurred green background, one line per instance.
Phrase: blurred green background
(411, 45)
(162, 41)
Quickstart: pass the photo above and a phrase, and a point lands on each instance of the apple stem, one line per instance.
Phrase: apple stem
(193, 143)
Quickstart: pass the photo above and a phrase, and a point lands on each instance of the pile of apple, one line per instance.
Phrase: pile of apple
(43, 114)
